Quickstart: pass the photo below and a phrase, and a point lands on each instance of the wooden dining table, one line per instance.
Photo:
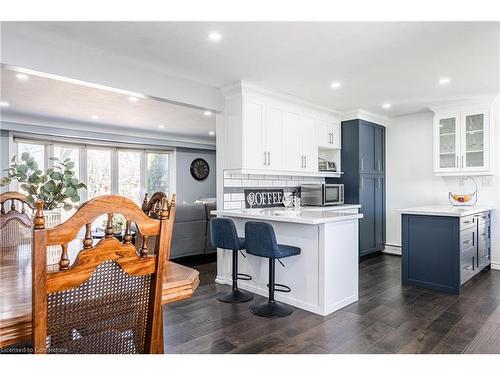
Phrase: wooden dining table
(179, 283)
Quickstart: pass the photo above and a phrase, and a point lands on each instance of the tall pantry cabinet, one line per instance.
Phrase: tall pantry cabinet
(363, 164)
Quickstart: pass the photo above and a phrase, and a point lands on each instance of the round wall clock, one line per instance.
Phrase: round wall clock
(199, 169)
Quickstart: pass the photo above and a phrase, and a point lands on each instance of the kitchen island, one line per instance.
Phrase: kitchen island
(443, 246)
(324, 277)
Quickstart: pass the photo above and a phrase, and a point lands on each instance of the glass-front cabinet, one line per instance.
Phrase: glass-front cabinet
(448, 142)
(461, 142)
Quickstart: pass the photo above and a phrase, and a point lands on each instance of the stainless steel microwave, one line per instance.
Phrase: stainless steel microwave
(322, 194)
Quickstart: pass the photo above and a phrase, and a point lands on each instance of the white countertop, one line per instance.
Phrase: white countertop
(445, 210)
(339, 207)
(290, 215)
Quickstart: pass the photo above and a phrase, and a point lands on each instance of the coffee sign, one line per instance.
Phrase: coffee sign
(263, 198)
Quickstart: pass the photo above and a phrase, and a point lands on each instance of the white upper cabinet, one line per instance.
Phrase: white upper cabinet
(269, 134)
(308, 144)
(329, 134)
(462, 141)
(254, 152)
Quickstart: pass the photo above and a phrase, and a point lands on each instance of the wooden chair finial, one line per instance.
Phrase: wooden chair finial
(164, 209)
(108, 232)
(39, 220)
(87, 241)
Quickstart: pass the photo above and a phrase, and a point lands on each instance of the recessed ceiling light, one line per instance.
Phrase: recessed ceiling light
(161, 126)
(335, 85)
(4, 104)
(133, 99)
(444, 81)
(211, 133)
(386, 105)
(215, 36)
(95, 117)
(207, 113)
(22, 76)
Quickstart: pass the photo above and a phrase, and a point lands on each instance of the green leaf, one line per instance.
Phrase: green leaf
(75, 198)
(50, 186)
(4, 181)
(25, 156)
(56, 175)
(13, 159)
(67, 206)
(70, 165)
(53, 158)
(81, 185)
(74, 181)
(66, 160)
(69, 191)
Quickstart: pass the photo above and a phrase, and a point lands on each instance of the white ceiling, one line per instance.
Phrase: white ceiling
(61, 100)
(376, 63)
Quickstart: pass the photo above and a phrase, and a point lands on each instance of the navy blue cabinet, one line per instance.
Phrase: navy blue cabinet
(363, 164)
(442, 252)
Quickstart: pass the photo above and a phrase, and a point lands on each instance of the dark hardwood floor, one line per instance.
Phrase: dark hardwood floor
(388, 318)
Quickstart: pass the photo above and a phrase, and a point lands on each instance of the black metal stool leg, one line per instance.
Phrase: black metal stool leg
(271, 308)
(235, 295)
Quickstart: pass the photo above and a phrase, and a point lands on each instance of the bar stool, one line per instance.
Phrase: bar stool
(261, 241)
(223, 235)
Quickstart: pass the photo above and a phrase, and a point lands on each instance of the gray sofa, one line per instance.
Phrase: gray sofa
(191, 235)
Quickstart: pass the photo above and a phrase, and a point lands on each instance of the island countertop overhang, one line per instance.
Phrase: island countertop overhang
(310, 217)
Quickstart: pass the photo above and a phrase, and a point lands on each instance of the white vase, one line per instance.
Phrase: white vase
(52, 218)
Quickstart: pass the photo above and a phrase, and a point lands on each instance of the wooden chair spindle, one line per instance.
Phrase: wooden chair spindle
(144, 247)
(87, 241)
(64, 261)
(127, 238)
(2, 211)
(108, 232)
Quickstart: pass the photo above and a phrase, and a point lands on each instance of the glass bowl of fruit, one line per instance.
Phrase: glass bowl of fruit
(469, 199)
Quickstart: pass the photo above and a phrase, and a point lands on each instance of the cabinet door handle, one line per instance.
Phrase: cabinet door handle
(265, 158)
(469, 267)
(362, 164)
(467, 242)
(269, 158)
(456, 164)
(379, 165)
(361, 184)
(462, 161)
(305, 161)
(473, 238)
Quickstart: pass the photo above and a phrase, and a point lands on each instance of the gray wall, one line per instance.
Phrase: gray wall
(4, 154)
(189, 189)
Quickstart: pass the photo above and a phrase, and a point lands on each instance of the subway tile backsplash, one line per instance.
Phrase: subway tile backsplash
(235, 184)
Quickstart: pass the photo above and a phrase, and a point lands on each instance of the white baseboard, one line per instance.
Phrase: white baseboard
(495, 266)
(392, 249)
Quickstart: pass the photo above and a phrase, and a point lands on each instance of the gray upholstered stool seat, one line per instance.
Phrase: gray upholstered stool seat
(223, 235)
(261, 241)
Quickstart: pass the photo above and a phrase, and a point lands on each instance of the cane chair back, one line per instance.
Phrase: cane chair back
(109, 299)
(16, 233)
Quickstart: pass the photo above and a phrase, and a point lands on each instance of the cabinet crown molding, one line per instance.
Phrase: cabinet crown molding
(242, 87)
(463, 103)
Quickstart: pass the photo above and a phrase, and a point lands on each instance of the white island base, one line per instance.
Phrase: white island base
(323, 278)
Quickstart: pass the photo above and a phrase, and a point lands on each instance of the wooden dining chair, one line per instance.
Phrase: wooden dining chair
(151, 207)
(109, 299)
(15, 226)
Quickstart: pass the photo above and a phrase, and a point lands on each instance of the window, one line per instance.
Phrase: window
(157, 173)
(108, 170)
(37, 151)
(98, 173)
(71, 153)
(129, 175)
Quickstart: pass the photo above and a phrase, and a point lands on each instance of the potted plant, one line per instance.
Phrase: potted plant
(58, 187)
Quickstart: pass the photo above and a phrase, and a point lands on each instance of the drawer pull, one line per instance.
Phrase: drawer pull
(468, 221)
(468, 267)
(467, 242)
